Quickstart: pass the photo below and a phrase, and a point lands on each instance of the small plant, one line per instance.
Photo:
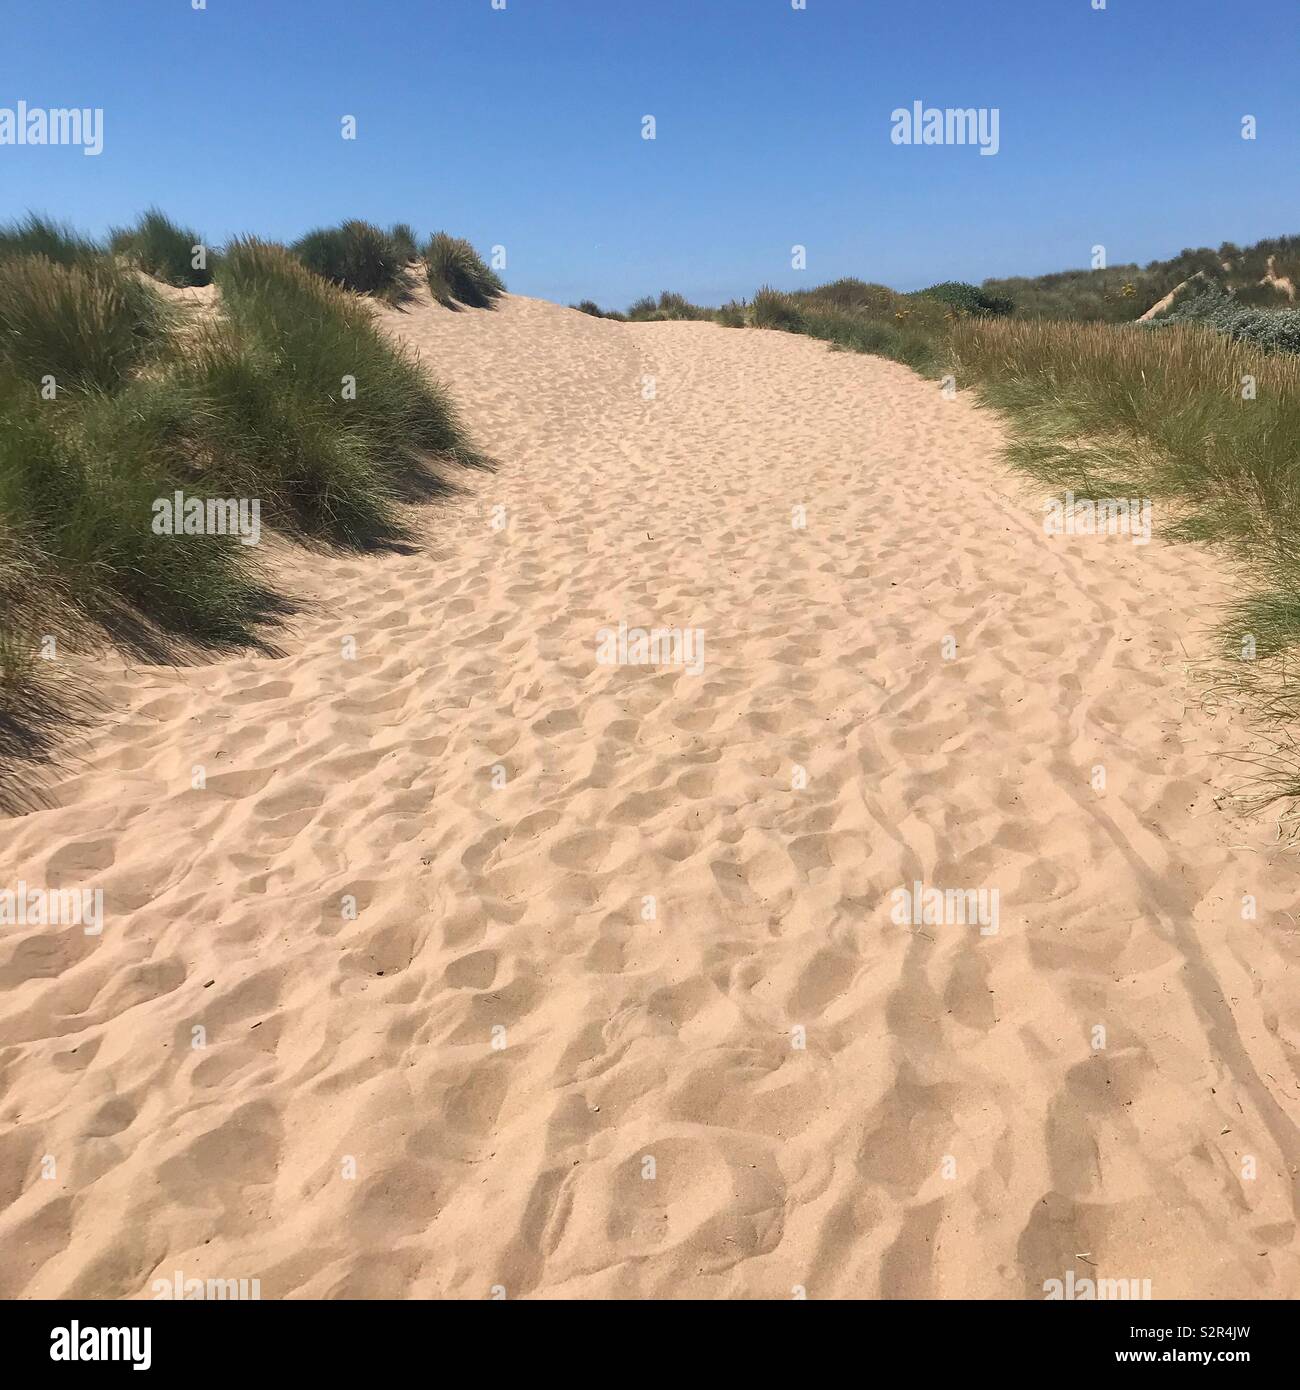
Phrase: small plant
(969, 299)
(669, 306)
(34, 235)
(289, 397)
(356, 256)
(772, 309)
(458, 275)
(1273, 330)
(405, 242)
(85, 325)
(160, 248)
(333, 460)
(78, 485)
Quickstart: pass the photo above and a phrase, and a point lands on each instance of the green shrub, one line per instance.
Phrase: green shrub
(336, 417)
(851, 294)
(669, 306)
(356, 256)
(34, 235)
(850, 331)
(677, 306)
(259, 434)
(969, 299)
(79, 487)
(87, 325)
(457, 274)
(1273, 330)
(772, 309)
(293, 397)
(1122, 293)
(162, 249)
(1129, 411)
(405, 242)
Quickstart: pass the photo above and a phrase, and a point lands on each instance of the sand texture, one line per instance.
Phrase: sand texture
(758, 1082)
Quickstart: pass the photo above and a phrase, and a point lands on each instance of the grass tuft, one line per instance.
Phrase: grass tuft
(35, 235)
(292, 396)
(81, 326)
(405, 242)
(458, 275)
(356, 256)
(363, 405)
(157, 246)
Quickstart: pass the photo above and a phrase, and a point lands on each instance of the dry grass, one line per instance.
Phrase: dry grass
(1183, 414)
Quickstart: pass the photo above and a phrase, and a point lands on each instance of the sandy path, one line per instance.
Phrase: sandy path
(949, 1128)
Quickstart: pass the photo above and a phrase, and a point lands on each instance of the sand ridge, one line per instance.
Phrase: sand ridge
(538, 1086)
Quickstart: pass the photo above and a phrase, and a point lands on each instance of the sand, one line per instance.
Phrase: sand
(508, 1071)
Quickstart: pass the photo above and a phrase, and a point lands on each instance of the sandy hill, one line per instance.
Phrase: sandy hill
(1263, 275)
(545, 1082)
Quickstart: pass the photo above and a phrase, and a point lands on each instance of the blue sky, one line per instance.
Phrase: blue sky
(522, 128)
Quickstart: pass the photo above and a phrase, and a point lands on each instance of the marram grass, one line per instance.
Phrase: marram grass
(110, 399)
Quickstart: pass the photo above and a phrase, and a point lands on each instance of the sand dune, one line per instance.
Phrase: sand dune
(503, 1035)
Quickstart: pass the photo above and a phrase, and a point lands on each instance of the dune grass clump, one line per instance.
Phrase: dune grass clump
(590, 307)
(77, 487)
(1132, 412)
(851, 295)
(30, 601)
(856, 317)
(850, 332)
(82, 326)
(356, 256)
(405, 242)
(304, 395)
(1128, 412)
(257, 434)
(457, 274)
(156, 245)
(668, 307)
(35, 235)
(851, 314)
(772, 309)
(323, 336)
(292, 398)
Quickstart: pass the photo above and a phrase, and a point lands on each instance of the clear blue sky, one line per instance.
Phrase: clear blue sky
(523, 128)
